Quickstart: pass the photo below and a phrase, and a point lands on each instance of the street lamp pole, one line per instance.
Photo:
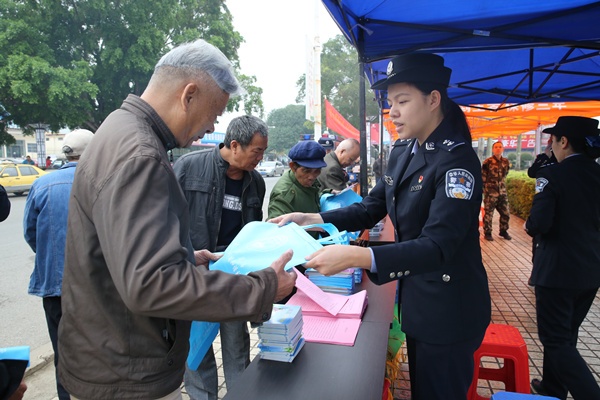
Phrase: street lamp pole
(40, 140)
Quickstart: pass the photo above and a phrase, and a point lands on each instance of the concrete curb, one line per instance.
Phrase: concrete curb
(39, 358)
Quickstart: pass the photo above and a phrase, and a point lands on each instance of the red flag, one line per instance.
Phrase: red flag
(337, 123)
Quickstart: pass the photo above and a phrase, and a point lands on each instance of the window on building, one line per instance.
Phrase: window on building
(32, 147)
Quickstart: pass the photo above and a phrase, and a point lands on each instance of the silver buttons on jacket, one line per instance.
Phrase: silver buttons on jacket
(446, 278)
(392, 275)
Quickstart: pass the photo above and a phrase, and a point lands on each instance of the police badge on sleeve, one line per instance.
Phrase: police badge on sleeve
(540, 184)
(459, 184)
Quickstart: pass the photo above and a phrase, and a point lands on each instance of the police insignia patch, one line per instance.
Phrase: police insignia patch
(459, 184)
(540, 184)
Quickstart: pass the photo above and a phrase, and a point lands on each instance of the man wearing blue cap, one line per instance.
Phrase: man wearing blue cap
(298, 189)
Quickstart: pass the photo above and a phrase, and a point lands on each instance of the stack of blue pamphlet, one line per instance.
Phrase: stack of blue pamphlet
(358, 273)
(340, 283)
(280, 338)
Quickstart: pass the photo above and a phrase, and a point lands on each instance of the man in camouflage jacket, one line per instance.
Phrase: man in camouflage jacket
(493, 172)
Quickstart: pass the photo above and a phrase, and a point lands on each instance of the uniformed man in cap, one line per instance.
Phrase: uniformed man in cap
(565, 220)
(327, 144)
(432, 193)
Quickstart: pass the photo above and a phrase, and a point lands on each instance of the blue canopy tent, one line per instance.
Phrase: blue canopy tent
(514, 51)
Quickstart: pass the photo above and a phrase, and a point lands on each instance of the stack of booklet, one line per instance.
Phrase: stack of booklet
(340, 283)
(280, 338)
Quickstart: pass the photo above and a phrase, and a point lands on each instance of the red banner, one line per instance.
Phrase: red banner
(337, 123)
(527, 141)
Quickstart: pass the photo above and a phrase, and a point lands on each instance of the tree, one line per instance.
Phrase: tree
(286, 125)
(71, 63)
(5, 137)
(340, 81)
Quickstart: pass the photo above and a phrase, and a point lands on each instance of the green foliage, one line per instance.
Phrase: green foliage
(285, 127)
(340, 81)
(251, 100)
(72, 63)
(520, 189)
(5, 137)
(526, 156)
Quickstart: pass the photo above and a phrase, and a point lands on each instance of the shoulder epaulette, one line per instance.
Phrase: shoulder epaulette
(445, 144)
(401, 142)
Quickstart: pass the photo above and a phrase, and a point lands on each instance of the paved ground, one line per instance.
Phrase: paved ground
(508, 264)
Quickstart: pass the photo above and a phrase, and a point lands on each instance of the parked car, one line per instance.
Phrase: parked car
(11, 160)
(18, 178)
(270, 168)
(59, 162)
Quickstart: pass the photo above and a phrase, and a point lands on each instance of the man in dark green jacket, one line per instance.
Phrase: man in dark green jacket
(298, 189)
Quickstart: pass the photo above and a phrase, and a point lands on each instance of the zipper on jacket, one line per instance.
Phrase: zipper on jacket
(243, 198)
(217, 223)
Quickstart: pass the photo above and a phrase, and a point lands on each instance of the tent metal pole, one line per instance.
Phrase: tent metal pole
(538, 140)
(364, 186)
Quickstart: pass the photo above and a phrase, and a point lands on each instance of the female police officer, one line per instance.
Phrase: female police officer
(432, 192)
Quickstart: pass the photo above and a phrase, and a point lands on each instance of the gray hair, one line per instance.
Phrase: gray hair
(191, 59)
(242, 130)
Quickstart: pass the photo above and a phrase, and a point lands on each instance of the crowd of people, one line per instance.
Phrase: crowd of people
(132, 243)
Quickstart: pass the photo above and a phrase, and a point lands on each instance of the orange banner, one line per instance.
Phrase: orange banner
(513, 121)
(337, 123)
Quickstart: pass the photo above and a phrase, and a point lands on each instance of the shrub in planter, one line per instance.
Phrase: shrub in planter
(520, 189)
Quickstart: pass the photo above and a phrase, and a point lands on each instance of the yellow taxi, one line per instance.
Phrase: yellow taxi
(18, 178)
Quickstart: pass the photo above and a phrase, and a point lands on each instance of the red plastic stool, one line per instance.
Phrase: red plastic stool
(506, 342)
(481, 216)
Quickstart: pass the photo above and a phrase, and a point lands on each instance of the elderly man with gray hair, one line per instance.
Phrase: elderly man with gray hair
(234, 197)
(132, 280)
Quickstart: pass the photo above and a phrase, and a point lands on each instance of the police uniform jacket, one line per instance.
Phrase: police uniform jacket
(565, 220)
(434, 207)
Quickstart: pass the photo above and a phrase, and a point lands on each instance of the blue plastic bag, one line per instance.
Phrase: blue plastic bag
(258, 244)
(202, 335)
(346, 197)
(255, 247)
(19, 353)
(15, 361)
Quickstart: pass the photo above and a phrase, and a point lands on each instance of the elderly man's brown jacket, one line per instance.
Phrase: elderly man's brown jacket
(130, 285)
